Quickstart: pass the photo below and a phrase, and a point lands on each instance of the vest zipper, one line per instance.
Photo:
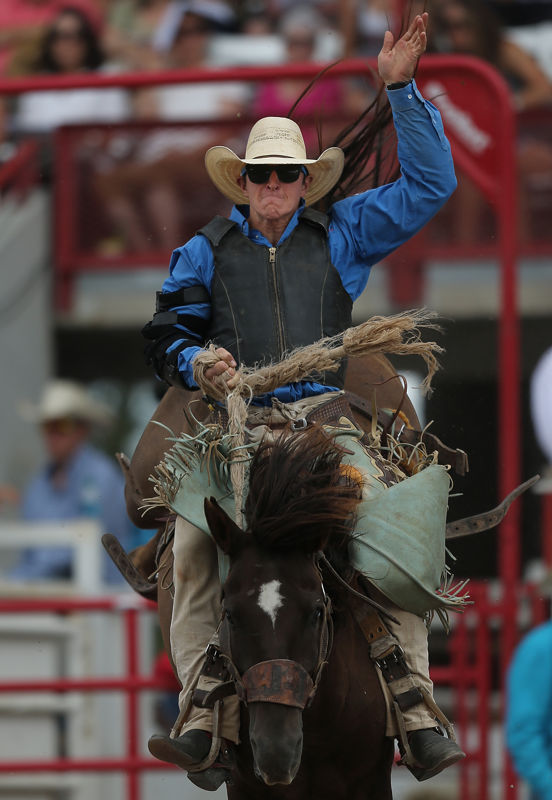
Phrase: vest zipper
(274, 276)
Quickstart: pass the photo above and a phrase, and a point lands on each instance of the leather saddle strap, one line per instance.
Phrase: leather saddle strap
(457, 458)
(371, 624)
(330, 412)
(387, 654)
(325, 413)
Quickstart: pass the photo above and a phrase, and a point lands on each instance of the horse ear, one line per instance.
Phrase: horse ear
(229, 536)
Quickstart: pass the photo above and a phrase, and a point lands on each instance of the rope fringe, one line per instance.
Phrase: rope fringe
(394, 335)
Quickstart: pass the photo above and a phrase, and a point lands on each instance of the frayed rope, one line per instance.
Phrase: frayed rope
(399, 334)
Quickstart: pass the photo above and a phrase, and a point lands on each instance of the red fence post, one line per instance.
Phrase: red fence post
(133, 779)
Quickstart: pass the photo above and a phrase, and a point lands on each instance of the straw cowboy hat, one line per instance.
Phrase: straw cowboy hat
(63, 399)
(274, 140)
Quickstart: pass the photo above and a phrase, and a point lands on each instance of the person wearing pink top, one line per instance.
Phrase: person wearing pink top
(326, 99)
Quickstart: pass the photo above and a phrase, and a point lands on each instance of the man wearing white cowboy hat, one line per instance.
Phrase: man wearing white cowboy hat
(274, 276)
(77, 480)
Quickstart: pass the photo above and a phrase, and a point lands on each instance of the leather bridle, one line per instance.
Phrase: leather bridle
(281, 680)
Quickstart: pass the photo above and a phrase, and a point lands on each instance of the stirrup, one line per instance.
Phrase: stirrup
(213, 667)
(407, 757)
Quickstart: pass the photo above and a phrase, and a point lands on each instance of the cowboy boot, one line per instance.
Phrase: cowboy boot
(432, 752)
(188, 751)
(191, 748)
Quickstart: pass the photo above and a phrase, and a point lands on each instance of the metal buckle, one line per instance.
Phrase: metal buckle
(299, 424)
(396, 655)
(212, 651)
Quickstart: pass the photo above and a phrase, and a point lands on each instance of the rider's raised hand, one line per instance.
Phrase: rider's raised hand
(397, 60)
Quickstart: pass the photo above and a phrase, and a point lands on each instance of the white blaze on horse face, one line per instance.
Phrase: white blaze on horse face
(270, 599)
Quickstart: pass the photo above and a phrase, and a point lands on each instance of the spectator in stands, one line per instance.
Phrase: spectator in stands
(147, 195)
(529, 711)
(469, 27)
(330, 8)
(522, 12)
(217, 14)
(71, 45)
(255, 19)
(76, 481)
(23, 22)
(529, 25)
(128, 38)
(372, 19)
(299, 29)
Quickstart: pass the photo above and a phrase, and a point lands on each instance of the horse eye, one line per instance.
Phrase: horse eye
(318, 613)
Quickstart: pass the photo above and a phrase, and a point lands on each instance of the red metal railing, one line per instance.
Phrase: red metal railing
(470, 648)
(132, 682)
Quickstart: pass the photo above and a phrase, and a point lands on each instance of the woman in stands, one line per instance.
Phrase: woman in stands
(70, 46)
(469, 27)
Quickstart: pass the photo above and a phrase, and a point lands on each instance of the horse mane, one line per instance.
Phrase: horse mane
(299, 497)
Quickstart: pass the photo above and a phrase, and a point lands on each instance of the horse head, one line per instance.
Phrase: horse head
(276, 625)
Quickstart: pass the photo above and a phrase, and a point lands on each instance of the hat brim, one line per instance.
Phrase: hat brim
(224, 168)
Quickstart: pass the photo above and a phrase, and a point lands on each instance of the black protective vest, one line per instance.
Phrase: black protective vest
(266, 301)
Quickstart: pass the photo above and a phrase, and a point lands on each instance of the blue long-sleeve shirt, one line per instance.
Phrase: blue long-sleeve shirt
(363, 228)
(93, 486)
(529, 710)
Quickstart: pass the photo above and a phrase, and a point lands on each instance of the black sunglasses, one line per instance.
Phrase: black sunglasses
(287, 173)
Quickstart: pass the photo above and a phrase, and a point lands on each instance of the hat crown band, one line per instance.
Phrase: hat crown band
(286, 150)
(271, 155)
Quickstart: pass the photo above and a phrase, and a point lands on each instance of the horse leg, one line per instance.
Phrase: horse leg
(380, 788)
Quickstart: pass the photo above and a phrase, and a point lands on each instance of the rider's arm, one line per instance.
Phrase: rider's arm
(529, 710)
(176, 332)
(366, 227)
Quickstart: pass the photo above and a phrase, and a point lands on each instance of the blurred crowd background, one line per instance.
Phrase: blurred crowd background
(69, 37)
(139, 177)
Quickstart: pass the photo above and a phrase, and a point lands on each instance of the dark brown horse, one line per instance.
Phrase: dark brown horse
(276, 633)
(373, 381)
(276, 625)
